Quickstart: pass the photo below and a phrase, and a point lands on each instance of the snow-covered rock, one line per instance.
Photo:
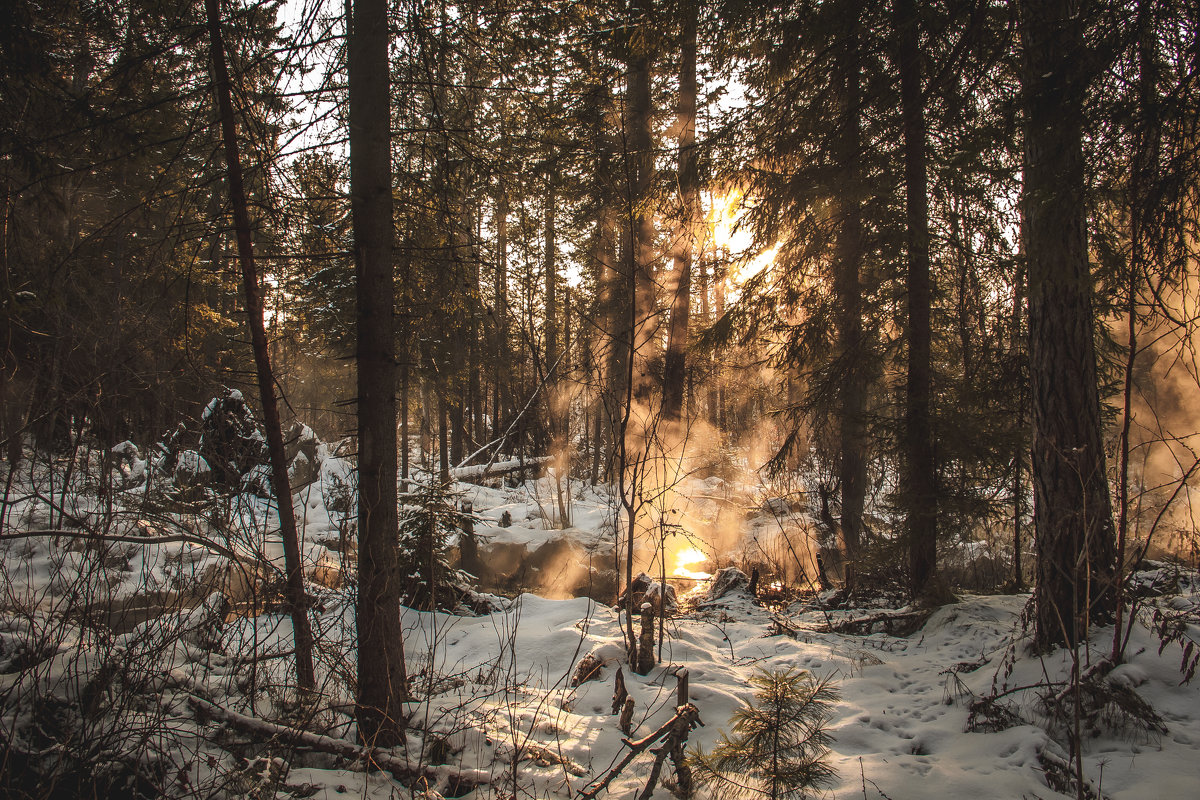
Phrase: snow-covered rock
(129, 466)
(192, 469)
(726, 582)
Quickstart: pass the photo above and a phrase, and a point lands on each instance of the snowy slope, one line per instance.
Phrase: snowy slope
(493, 703)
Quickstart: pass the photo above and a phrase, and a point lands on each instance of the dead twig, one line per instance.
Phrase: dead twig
(676, 728)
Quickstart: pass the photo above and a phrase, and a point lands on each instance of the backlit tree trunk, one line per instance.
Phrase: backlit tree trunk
(301, 630)
(675, 366)
(847, 288)
(1072, 511)
(382, 680)
(920, 476)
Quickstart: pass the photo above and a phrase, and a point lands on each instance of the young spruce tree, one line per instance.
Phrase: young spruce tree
(779, 741)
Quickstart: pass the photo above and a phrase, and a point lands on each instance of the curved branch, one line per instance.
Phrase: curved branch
(113, 537)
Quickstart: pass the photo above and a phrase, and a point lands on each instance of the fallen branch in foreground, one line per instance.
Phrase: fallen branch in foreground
(686, 717)
(400, 767)
(896, 623)
(115, 537)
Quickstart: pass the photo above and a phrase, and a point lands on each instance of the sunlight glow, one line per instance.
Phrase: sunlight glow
(734, 242)
(686, 558)
(723, 219)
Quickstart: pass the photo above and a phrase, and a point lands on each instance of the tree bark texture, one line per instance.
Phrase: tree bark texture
(554, 418)
(920, 475)
(640, 253)
(675, 364)
(1072, 507)
(847, 287)
(293, 566)
(382, 680)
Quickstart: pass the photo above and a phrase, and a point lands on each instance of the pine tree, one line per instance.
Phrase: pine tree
(779, 741)
(429, 518)
(382, 680)
(1073, 514)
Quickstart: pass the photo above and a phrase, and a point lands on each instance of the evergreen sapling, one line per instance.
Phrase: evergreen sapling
(779, 742)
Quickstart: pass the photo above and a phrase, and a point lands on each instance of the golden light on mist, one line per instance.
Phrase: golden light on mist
(734, 242)
(746, 271)
(686, 558)
(723, 215)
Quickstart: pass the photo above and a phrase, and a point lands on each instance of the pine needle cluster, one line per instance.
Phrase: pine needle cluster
(779, 744)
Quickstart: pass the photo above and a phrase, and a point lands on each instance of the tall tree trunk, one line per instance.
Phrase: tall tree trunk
(382, 679)
(847, 288)
(640, 229)
(550, 268)
(1072, 511)
(427, 407)
(473, 216)
(602, 342)
(638, 256)
(301, 630)
(675, 366)
(407, 357)
(612, 347)
(443, 425)
(706, 319)
(550, 274)
(500, 293)
(1146, 157)
(405, 375)
(455, 394)
(1018, 489)
(920, 475)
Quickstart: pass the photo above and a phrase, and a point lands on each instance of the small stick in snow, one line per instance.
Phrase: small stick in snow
(620, 693)
(626, 721)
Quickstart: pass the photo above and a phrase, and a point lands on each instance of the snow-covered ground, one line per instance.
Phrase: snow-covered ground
(494, 705)
(901, 728)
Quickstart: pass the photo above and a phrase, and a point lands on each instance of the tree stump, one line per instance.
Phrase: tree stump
(588, 669)
(645, 660)
(620, 693)
(626, 721)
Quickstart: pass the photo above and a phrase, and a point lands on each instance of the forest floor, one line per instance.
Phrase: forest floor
(956, 708)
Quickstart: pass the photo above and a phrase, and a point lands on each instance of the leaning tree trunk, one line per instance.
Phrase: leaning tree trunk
(301, 630)
(1072, 507)
(382, 680)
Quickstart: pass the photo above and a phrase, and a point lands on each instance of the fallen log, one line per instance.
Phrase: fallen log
(480, 472)
(895, 623)
(399, 766)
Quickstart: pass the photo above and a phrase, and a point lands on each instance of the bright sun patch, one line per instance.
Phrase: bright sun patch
(687, 558)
